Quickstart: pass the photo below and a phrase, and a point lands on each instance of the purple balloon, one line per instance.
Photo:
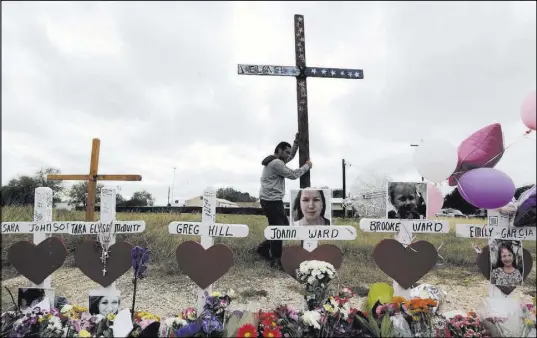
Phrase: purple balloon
(526, 214)
(487, 188)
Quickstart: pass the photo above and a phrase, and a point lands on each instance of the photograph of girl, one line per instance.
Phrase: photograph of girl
(29, 298)
(311, 206)
(406, 200)
(506, 262)
(103, 305)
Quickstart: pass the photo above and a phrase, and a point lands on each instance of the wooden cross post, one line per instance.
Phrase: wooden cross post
(500, 230)
(301, 72)
(208, 229)
(404, 230)
(92, 179)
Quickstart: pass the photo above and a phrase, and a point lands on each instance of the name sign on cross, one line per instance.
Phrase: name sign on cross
(72, 227)
(207, 229)
(213, 230)
(475, 231)
(397, 225)
(312, 233)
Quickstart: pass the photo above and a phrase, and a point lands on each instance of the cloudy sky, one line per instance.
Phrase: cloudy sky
(157, 83)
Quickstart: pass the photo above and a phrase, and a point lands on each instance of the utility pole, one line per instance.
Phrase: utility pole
(417, 145)
(173, 182)
(343, 164)
(169, 195)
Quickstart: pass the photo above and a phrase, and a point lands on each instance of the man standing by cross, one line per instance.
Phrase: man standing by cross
(272, 192)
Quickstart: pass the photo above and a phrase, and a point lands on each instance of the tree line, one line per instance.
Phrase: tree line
(21, 190)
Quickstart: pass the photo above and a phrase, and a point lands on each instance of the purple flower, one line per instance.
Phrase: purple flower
(211, 324)
(188, 330)
(139, 257)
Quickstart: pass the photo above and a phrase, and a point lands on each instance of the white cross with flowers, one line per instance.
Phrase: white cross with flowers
(404, 230)
(312, 234)
(208, 229)
(496, 228)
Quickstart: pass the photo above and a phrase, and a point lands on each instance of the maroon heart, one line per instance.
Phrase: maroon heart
(37, 262)
(405, 265)
(483, 263)
(88, 260)
(293, 256)
(204, 267)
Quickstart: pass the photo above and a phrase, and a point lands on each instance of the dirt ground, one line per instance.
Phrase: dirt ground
(167, 295)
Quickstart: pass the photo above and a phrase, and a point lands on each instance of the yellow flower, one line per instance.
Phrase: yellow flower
(216, 294)
(78, 308)
(45, 317)
(328, 308)
(111, 316)
(84, 333)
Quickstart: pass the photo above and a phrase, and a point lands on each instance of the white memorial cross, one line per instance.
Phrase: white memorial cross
(108, 216)
(42, 215)
(310, 235)
(207, 229)
(404, 230)
(500, 230)
(43, 226)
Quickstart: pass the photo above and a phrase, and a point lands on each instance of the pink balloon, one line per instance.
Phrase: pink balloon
(482, 149)
(528, 113)
(435, 200)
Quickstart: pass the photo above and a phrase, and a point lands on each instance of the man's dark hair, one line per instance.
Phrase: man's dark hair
(282, 145)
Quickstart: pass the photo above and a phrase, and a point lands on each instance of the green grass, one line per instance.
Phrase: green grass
(458, 253)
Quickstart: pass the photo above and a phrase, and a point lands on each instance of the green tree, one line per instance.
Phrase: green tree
(233, 195)
(120, 200)
(78, 194)
(21, 190)
(141, 199)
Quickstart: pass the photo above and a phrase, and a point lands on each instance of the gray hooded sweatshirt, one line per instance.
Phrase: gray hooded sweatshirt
(274, 174)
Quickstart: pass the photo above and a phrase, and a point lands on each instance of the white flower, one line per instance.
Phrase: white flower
(54, 323)
(311, 279)
(66, 308)
(312, 318)
(231, 293)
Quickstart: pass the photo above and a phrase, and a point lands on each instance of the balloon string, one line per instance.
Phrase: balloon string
(525, 135)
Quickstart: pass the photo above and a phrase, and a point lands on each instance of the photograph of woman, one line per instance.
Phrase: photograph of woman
(407, 200)
(506, 265)
(28, 298)
(311, 207)
(103, 305)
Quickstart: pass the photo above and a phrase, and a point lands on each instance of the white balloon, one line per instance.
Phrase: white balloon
(436, 159)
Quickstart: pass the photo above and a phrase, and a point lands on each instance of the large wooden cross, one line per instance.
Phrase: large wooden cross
(92, 179)
(301, 72)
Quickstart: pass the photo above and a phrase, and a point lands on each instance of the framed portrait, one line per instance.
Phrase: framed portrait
(311, 206)
(506, 262)
(30, 298)
(406, 200)
(104, 303)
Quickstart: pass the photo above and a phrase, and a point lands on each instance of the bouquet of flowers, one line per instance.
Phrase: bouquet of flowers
(315, 275)
(508, 317)
(465, 326)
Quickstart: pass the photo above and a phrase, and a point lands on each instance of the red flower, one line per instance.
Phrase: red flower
(267, 332)
(247, 330)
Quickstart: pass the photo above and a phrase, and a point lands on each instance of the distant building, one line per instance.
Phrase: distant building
(255, 204)
(64, 206)
(220, 203)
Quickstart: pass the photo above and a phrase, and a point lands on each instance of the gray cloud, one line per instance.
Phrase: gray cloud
(157, 82)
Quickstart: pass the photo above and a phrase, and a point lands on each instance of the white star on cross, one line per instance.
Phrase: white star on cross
(333, 72)
(356, 74)
(349, 74)
(299, 19)
(314, 71)
(323, 71)
(342, 73)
